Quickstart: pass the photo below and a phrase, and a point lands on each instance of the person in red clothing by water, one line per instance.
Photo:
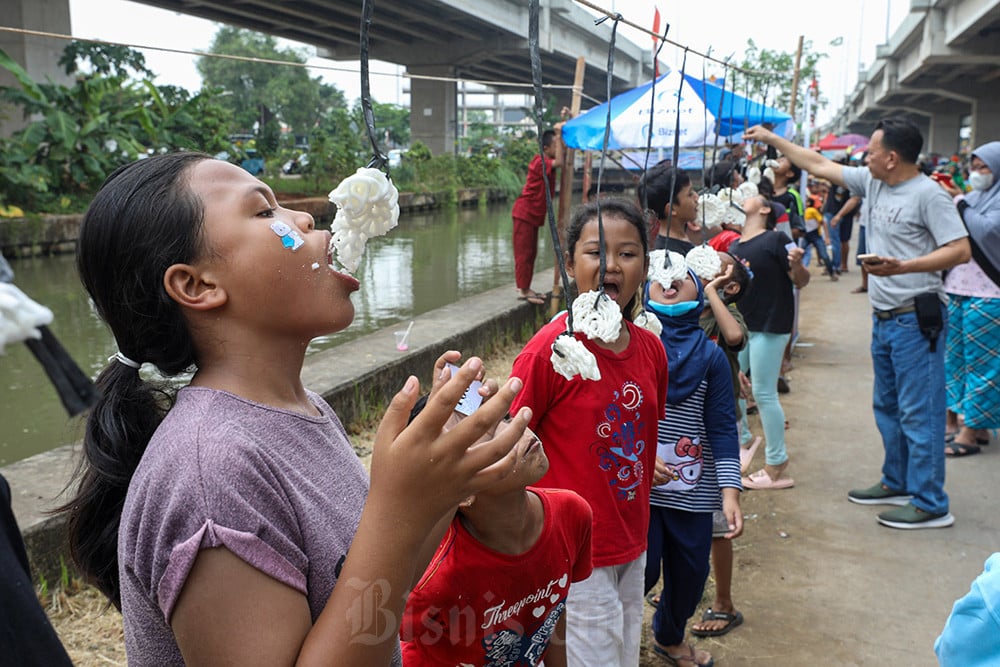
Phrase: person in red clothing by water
(529, 213)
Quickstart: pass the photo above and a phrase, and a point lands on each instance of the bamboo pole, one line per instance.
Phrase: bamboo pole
(795, 79)
(566, 184)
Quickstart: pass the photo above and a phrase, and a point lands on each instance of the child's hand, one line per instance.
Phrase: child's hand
(720, 280)
(421, 471)
(734, 515)
(442, 374)
(746, 387)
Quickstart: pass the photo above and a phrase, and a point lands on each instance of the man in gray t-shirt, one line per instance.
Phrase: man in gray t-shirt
(913, 233)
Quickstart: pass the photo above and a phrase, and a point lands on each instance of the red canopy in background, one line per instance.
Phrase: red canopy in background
(855, 142)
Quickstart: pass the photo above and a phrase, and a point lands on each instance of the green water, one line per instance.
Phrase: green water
(430, 260)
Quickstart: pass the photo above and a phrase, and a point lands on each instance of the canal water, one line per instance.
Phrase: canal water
(430, 260)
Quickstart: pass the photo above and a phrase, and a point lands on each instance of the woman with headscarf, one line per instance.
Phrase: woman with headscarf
(972, 362)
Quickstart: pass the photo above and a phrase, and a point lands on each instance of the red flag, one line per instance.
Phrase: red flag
(656, 40)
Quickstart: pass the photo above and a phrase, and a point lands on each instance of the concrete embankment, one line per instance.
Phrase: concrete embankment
(356, 378)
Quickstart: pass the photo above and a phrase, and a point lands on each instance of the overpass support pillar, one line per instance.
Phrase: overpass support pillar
(433, 108)
(39, 56)
(943, 137)
(985, 120)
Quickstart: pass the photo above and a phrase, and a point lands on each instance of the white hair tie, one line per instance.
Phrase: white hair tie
(121, 358)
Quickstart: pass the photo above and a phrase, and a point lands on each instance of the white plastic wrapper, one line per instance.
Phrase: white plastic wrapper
(711, 211)
(367, 205)
(596, 316)
(704, 261)
(649, 321)
(570, 357)
(666, 275)
(20, 317)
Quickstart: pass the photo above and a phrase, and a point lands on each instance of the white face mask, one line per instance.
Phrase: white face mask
(980, 181)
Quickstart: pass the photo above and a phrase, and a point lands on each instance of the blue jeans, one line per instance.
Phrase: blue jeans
(814, 238)
(834, 234)
(762, 355)
(909, 404)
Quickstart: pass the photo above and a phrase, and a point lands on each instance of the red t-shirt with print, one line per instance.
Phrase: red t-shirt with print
(477, 606)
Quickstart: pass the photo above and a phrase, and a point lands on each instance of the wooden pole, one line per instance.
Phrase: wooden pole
(566, 184)
(795, 79)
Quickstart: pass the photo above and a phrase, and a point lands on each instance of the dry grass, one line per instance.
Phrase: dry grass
(92, 631)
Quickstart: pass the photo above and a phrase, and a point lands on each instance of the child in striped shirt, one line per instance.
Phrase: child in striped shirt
(697, 465)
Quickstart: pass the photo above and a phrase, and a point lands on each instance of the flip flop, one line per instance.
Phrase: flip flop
(746, 454)
(691, 657)
(653, 598)
(761, 481)
(950, 438)
(960, 449)
(534, 298)
(732, 621)
(858, 290)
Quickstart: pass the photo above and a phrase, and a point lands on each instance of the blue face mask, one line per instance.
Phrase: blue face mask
(673, 309)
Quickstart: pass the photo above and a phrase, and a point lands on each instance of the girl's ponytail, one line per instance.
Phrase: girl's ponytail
(143, 220)
(118, 429)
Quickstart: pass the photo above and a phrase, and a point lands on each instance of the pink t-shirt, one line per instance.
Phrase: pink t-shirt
(281, 490)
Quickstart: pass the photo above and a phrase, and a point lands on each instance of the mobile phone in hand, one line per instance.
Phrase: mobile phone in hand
(870, 258)
(471, 400)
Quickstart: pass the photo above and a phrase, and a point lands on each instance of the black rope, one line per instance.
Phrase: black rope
(704, 116)
(676, 154)
(652, 109)
(604, 149)
(536, 80)
(718, 118)
(379, 160)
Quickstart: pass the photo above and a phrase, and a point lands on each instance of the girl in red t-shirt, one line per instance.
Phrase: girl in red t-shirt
(600, 435)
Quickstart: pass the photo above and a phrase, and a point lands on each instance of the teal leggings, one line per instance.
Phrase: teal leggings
(762, 355)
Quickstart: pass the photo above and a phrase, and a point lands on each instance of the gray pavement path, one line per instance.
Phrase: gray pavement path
(818, 580)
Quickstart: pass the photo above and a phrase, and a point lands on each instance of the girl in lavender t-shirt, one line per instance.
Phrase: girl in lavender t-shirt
(237, 526)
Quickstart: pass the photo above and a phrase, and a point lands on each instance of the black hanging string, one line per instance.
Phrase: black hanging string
(677, 151)
(652, 109)
(704, 116)
(379, 160)
(604, 147)
(536, 80)
(719, 116)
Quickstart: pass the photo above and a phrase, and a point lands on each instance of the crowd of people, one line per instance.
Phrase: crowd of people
(232, 522)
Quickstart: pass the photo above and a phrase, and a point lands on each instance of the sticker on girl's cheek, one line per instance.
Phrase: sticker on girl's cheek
(289, 237)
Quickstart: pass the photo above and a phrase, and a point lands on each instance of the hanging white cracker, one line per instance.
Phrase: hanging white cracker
(711, 211)
(570, 357)
(20, 317)
(597, 316)
(753, 175)
(665, 275)
(704, 261)
(649, 321)
(747, 190)
(367, 206)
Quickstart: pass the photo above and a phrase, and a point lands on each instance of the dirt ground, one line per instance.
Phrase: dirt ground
(817, 579)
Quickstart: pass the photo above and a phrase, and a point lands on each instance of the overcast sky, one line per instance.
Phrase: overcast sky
(860, 24)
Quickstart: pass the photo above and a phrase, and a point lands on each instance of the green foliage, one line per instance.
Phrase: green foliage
(392, 120)
(777, 88)
(418, 153)
(255, 90)
(83, 132)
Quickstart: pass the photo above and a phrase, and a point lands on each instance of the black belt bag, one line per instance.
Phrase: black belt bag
(929, 319)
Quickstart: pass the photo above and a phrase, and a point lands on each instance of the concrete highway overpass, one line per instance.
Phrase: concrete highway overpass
(468, 39)
(942, 66)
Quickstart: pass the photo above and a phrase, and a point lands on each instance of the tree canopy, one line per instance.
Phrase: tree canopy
(253, 92)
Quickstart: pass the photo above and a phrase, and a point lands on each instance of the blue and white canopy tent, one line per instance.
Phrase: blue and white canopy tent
(630, 116)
